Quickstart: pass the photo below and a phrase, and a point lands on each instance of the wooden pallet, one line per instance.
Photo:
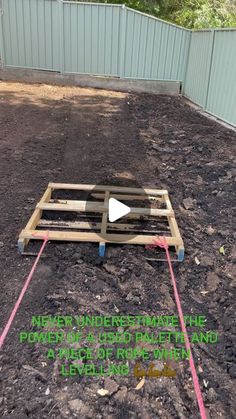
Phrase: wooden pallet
(130, 229)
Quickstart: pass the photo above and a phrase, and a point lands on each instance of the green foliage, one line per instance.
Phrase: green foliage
(145, 6)
(199, 14)
(193, 14)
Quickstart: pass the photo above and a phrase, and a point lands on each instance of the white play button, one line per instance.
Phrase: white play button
(116, 210)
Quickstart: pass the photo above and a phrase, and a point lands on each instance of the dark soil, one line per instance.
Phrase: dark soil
(74, 135)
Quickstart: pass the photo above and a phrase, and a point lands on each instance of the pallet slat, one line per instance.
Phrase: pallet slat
(174, 226)
(102, 245)
(128, 197)
(94, 237)
(34, 219)
(122, 189)
(84, 225)
(85, 206)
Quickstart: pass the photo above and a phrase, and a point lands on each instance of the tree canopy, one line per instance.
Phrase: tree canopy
(197, 14)
(192, 14)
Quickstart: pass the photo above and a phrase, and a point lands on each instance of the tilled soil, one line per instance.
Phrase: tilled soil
(65, 134)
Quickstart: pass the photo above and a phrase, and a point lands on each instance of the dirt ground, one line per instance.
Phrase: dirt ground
(65, 134)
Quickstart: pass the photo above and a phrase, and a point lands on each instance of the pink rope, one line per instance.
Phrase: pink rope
(163, 244)
(15, 309)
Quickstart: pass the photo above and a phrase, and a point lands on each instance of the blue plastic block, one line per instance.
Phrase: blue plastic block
(21, 246)
(102, 249)
(181, 255)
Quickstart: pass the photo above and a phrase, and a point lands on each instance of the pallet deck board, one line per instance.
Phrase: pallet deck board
(132, 231)
(94, 237)
(84, 206)
(85, 225)
(103, 188)
(128, 197)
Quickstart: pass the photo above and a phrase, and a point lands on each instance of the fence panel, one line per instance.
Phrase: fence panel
(30, 33)
(199, 63)
(91, 38)
(154, 49)
(221, 100)
(211, 72)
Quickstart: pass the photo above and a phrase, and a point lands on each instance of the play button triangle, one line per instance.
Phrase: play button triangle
(116, 210)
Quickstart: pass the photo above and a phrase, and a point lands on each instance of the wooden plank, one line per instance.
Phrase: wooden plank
(174, 226)
(102, 245)
(101, 196)
(82, 225)
(34, 219)
(140, 218)
(104, 215)
(128, 197)
(172, 221)
(82, 187)
(94, 237)
(71, 205)
(85, 206)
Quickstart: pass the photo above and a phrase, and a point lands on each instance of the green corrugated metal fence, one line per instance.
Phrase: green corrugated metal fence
(199, 61)
(221, 98)
(91, 38)
(154, 49)
(113, 40)
(31, 34)
(211, 72)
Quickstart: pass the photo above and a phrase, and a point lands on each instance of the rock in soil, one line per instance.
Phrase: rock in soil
(80, 408)
(210, 230)
(212, 395)
(213, 281)
(206, 261)
(121, 394)
(232, 371)
(110, 385)
(188, 203)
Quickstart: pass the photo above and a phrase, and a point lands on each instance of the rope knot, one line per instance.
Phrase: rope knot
(158, 242)
(43, 237)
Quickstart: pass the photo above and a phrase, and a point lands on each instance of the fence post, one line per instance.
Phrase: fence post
(122, 42)
(61, 34)
(186, 64)
(209, 67)
(2, 55)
